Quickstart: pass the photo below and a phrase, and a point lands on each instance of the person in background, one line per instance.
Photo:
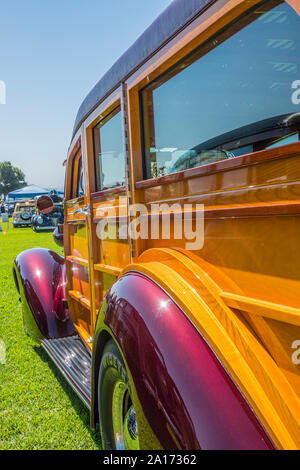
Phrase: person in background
(2, 208)
(2, 211)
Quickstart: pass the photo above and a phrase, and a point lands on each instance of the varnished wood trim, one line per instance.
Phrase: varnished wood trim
(75, 201)
(235, 211)
(75, 259)
(258, 210)
(70, 169)
(254, 210)
(294, 4)
(80, 298)
(74, 148)
(284, 151)
(108, 269)
(85, 336)
(113, 220)
(263, 308)
(102, 195)
(79, 221)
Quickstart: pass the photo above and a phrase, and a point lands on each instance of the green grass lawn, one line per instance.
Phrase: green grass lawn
(38, 409)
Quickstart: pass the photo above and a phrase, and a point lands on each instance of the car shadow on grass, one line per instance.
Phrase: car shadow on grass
(79, 407)
(44, 230)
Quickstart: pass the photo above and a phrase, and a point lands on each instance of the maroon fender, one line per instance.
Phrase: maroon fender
(187, 396)
(40, 278)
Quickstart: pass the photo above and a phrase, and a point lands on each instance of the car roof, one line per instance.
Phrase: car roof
(25, 203)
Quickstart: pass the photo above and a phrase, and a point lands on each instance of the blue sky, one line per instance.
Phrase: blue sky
(52, 53)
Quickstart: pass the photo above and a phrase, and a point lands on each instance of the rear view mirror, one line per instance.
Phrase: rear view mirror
(44, 204)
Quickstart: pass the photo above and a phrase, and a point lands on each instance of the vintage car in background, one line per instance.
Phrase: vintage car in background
(22, 213)
(10, 206)
(173, 346)
(49, 221)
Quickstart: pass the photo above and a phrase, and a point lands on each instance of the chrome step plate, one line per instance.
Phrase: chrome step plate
(73, 360)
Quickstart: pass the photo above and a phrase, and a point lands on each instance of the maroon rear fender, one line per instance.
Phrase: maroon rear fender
(187, 397)
(40, 278)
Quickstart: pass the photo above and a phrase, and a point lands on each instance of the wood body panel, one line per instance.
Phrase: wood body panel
(241, 289)
(252, 222)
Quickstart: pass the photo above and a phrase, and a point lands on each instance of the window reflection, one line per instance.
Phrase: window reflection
(110, 157)
(80, 182)
(231, 97)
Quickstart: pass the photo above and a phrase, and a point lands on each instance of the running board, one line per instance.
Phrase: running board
(73, 360)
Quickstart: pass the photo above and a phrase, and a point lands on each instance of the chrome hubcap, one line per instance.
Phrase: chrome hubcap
(131, 430)
(124, 419)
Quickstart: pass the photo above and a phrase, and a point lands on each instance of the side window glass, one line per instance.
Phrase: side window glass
(109, 154)
(75, 175)
(232, 96)
(80, 182)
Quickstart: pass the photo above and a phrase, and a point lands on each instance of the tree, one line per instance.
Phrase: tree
(11, 178)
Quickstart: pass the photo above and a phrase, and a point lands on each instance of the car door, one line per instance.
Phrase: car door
(76, 245)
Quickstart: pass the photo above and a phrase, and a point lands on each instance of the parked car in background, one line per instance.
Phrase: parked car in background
(23, 213)
(48, 221)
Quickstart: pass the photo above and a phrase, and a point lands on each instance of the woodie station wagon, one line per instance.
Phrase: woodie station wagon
(169, 347)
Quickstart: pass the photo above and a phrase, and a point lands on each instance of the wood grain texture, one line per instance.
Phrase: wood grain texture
(267, 388)
(241, 290)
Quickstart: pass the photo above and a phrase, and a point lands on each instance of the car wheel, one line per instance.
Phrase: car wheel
(117, 415)
(25, 216)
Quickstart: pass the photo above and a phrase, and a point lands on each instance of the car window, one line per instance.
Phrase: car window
(80, 182)
(230, 97)
(110, 159)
